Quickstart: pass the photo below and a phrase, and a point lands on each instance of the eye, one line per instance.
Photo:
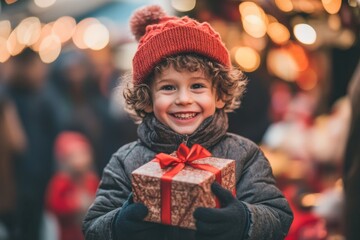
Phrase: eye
(197, 86)
(167, 88)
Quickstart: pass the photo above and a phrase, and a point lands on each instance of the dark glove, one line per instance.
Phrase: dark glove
(229, 222)
(129, 224)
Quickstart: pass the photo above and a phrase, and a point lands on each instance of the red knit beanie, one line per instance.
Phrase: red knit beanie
(161, 36)
(68, 141)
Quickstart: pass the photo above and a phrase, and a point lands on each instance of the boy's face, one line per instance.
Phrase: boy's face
(183, 100)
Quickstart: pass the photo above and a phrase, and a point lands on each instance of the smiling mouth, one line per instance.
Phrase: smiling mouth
(184, 116)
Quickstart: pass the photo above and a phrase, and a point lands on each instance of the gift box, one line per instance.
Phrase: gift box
(172, 192)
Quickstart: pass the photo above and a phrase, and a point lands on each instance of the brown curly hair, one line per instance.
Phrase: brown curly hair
(229, 83)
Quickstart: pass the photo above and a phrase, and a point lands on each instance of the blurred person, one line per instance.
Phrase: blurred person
(292, 131)
(83, 106)
(25, 87)
(307, 225)
(12, 141)
(351, 174)
(73, 186)
(119, 129)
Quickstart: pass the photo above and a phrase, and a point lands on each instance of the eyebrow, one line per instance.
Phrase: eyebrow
(163, 80)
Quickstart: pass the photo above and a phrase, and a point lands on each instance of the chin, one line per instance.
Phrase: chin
(184, 132)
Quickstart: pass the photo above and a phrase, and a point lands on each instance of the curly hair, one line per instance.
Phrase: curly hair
(230, 84)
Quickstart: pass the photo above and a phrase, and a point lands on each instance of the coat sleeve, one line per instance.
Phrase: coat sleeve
(270, 214)
(114, 189)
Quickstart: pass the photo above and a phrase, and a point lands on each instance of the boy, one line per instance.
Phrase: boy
(182, 84)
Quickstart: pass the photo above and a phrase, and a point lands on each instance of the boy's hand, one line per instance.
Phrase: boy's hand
(229, 222)
(129, 224)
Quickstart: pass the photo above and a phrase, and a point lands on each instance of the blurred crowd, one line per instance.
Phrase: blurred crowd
(59, 125)
(315, 159)
(61, 122)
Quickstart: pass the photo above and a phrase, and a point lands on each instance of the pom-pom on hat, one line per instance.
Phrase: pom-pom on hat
(161, 36)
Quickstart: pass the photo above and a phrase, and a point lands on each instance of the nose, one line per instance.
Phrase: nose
(184, 97)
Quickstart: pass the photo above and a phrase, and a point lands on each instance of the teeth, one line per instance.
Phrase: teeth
(185, 115)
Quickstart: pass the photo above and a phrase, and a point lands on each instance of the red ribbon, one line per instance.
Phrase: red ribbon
(184, 156)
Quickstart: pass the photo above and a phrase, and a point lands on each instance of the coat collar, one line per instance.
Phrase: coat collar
(161, 138)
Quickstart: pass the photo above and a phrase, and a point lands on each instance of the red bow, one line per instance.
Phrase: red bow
(184, 156)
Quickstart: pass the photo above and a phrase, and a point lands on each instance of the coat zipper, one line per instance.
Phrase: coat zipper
(185, 139)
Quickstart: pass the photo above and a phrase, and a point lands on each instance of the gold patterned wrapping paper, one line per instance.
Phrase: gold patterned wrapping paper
(190, 188)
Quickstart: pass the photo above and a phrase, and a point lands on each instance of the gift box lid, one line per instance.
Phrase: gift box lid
(189, 174)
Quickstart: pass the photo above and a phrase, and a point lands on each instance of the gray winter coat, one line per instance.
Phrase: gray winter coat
(270, 214)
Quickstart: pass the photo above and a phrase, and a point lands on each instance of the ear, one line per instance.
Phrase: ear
(219, 103)
(149, 109)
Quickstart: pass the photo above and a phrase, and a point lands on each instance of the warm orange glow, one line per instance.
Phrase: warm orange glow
(64, 28)
(309, 200)
(253, 18)
(299, 56)
(96, 36)
(5, 28)
(284, 5)
(347, 38)
(46, 31)
(256, 43)
(28, 31)
(334, 22)
(4, 53)
(282, 64)
(305, 6)
(13, 45)
(50, 48)
(247, 58)
(331, 6)
(78, 36)
(10, 1)
(271, 19)
(278, 33)
(307, 79)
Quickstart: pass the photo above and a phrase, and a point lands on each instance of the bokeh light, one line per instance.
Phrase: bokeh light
(284, 5)
(28, 31)
(334, 22)
(305, 33)
(14, 47)
(253, 18)
(96, 36)
(64, 27)
(50, 48)
(282, 64)
(247, 58)
(4, 53)
(44, 3)
(278, 33)
(5, 28)
(78, 36)
(46, 30)
(183, 5)
(331, 6)
(307, 79)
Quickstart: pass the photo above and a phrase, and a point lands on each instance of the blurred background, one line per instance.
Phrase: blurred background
(61, 118)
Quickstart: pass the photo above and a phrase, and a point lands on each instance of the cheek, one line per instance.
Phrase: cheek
(208, 104)
(160, 105)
